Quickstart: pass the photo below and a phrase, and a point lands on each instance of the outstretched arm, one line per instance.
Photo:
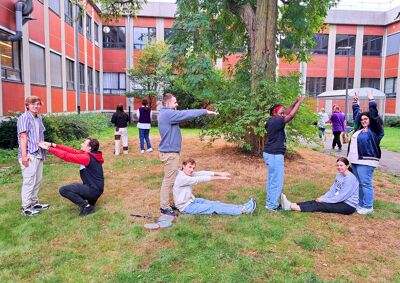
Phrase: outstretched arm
(289, 109)
(67, 153)
(289, 117)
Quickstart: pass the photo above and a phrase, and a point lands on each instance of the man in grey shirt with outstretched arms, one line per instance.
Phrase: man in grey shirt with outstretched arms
(171, 142)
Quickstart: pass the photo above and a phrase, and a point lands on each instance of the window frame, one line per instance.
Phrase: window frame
(392, 94)
(351, 83)
(70, 72)
(318, 85)
(68, 7)
(35, 66)
(79, 22)
(149, 37)
(16, 60)
(114, 91)
(82, 77)
(343, 52)
(366, 82)
(315, 49)
(367, 45)
(53, 8)
(396, 39)
(118, 44)
(89, 27)
(97, 81)
(96, 33)
(53, 72)
(90, 79)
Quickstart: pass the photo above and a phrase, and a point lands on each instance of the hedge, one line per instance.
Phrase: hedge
(392, 121)
(59, 128)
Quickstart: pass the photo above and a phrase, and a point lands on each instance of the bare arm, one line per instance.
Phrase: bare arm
(289, 109)
(294, 110)
(24, 143)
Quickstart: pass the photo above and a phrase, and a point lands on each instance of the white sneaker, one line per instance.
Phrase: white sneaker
(149, 149)
(29, 211)
(142, 151)
(285, 203)
(363, 211)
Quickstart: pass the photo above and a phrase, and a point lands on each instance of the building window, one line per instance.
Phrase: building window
(115, 38)
(390, 87)
(393, 44)
(114, 83)
(68, 11)
(81, 77)
(372, 45)
(97, 78)
(141, 36)
(70, 74)
(96, 33)
(10, 59)
(374, 83)
(37, 64)
(88, 27)
(343, 40)
(167, 33)
(55, 70)
(55, 6)
(321, 44)
(340, 83)
(90, 79)
(315, 86)
(80, 21)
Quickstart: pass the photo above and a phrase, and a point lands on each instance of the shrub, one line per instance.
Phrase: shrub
(392, 121)
(59, 128)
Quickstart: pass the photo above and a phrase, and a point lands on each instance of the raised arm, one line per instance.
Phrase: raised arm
(289, 117)
(375, 122)
(289, 109)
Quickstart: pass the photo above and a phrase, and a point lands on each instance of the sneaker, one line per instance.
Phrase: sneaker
(149, 149)
(167, 211)
(285, 203)
(87, 210)
(29, 212)
(274, 209)
(363, 211)
(251, 206)
(142, 151)
(41, 206)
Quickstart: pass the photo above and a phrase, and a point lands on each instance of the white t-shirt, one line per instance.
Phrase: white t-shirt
(353, 153)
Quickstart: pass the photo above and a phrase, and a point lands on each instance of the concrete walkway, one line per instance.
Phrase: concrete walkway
(390, 161)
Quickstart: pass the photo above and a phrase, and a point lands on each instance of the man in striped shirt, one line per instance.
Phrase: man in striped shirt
(30, 131)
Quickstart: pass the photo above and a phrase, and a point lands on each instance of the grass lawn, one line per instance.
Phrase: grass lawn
(391, 140)
(111, 246)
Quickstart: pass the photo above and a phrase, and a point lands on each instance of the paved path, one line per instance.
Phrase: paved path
(390, 161)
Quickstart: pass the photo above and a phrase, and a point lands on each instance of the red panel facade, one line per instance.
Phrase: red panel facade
(341, 66)
(346, 29)
(374, 30)
(98, 103)
(111, 101)
(317, 67)
(114, 60)
(168, 23)
(69, 41)
(55, 31)
(371, 67)
(393, 28)
(13, 97)
(83, 101)
(56, 100)
(90, 101)
(286, 68)
(390, 107)
(7, 14)
(36, 27)
(391, 66)
(71, 101)
(40, 91)
(144, 22)
(89, 53)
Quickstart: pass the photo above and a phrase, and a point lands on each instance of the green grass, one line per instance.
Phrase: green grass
(391, 140)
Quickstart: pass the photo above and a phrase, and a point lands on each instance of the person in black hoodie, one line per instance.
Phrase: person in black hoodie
(120, 119)
(91, 171)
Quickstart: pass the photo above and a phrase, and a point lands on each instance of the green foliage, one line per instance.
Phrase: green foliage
(59, 128)
(152, 73)
(392, 121)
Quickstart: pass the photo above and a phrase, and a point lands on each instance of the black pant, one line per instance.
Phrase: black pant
(80, 194)
(336, 139)
(313, 206)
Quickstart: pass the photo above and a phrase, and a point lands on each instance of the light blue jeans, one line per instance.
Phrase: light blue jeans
(144, 135)
(364, 174)
(203, 206)
(276, 173)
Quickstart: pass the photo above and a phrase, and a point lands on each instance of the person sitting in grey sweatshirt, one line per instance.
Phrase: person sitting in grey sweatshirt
(187, 203)
(341, 198)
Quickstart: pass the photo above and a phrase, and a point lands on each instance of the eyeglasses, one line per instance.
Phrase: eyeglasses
(364, 119)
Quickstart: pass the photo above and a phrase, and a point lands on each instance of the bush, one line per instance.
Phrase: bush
(392, 122)
(59, 128)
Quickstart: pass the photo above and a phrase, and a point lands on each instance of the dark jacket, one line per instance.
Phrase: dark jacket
(120, 119)
(369, 150)
(92, 169)
(144, 115)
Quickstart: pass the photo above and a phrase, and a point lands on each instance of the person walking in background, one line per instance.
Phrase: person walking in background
(275, 148)
(30, 131)
(171, 143)
(144, 115)
(91, 171)
(364, 151)
(338, 126)
(187, 203)
(120, 119)
(341, 198)
(323, 119)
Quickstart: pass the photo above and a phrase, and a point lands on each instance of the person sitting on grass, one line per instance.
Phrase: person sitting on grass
(341, 198)
(187, 203)
(91, 171)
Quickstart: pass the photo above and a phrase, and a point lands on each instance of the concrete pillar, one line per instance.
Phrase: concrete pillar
(383, 64)
(160, 29)
(63, 63)
(330, 71)
(47, 54)
(358, 57)
(25, 60)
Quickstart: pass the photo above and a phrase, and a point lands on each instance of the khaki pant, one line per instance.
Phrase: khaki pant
(31, 179)
(171, 167)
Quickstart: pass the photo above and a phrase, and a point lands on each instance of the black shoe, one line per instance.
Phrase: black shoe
(168, 211)
(87, 210)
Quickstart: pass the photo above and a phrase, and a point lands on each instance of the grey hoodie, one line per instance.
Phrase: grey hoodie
(345, 188)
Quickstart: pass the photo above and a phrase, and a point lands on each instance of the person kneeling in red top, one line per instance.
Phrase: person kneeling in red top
(91, 171)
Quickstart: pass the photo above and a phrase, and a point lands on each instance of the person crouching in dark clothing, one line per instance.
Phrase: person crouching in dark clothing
(91, 171)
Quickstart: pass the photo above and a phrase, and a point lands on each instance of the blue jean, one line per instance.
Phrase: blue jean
(364, 174)
(144, 135)
(203, 206)
(276, 173)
